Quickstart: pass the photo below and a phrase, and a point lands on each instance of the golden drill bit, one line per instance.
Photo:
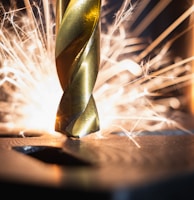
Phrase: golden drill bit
(77, 56)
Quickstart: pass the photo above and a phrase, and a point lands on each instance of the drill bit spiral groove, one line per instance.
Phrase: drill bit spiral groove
(77, 62)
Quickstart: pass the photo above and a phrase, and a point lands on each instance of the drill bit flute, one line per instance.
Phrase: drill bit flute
(77, 56)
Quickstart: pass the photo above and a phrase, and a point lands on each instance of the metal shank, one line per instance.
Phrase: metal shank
(77, 56)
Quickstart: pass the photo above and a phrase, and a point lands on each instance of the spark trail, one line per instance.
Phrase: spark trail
(131, 92)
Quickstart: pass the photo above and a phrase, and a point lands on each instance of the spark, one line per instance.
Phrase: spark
(128, 87)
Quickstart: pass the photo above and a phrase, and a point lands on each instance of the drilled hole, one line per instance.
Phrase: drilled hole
(51, 155)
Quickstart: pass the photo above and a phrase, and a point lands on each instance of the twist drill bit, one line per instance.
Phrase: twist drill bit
(77, 56)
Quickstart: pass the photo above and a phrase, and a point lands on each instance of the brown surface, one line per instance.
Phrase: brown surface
(106, 163)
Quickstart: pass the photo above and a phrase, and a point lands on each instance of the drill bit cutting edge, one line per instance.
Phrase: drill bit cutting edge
(77, 56)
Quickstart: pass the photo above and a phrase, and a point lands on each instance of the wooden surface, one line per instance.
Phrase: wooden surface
(105, 164)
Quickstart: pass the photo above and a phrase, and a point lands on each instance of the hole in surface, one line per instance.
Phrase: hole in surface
(51, 155)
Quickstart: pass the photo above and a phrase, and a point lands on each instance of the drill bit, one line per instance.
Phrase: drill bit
(77, 56)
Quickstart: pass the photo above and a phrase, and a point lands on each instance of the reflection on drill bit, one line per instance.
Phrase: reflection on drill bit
(77, 62)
